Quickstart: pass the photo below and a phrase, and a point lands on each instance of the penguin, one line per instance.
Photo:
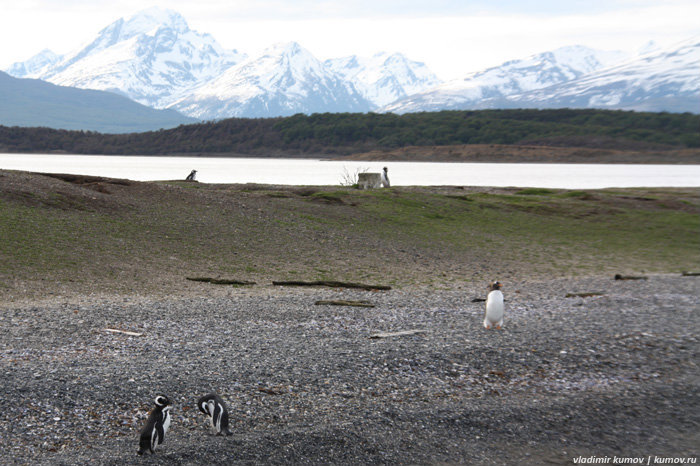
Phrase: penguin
(385, 178)
(191, 176)
(494, 307)
(156, 426)
(213, 406)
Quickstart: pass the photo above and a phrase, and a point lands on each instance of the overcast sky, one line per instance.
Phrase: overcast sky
(453, 37)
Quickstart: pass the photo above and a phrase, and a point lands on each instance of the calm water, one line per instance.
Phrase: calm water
(319, 172)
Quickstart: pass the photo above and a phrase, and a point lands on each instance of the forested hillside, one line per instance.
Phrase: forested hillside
(347, 133)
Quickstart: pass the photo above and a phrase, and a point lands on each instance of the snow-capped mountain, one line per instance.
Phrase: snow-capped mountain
(284, 80)
(155, 59)
(384, 78)
(662, 80)
(484, 89)
(35, 66)
(152, 58)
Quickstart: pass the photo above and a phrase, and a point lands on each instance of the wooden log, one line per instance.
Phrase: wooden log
(332, 284)
(219, 281)
(582, 295)
(396, 334)
(344, 303)
(629, 277)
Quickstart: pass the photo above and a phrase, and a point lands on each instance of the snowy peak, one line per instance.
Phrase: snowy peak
(146, 21)
(544, 69)
(284, 64)
(35, 65)
(662, 80)
(384, 78)
(285, 79)
(152, 57)
(483, 88)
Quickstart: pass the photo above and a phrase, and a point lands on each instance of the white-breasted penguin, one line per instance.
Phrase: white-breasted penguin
(156, 426)
(191, 176)
(385, 178)
(213, 406)
(494, 307)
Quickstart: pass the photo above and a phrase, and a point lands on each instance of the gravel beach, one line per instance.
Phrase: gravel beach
(613, 373)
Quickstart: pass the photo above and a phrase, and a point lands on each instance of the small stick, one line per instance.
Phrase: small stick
(219, 281)
(345, 303)
(132, 334)
(396, 334)
(332, 284)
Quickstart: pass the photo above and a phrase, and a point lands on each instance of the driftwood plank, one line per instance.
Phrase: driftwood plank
(583, 295)
(344, 303)
(396, 334)
(332, 284)
(629, 277)
(219, 281)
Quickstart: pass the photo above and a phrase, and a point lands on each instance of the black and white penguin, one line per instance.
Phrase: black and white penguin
(494, 307)
(385, 178)
(213, 406)
(156, 426)
(191, 176)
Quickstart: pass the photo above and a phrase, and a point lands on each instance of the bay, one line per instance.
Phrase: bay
(333, 172)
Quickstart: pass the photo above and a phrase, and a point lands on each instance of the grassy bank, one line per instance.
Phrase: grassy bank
(89, 235)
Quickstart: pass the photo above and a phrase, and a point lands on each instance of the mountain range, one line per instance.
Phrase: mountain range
(575, 77)
(155, 59)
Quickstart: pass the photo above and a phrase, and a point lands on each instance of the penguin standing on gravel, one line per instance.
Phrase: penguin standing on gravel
(156, 426)
(494, 307)
(213, 406)
(385, 178)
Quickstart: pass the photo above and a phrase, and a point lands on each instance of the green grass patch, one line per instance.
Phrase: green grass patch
(534, 192)
(398, 236)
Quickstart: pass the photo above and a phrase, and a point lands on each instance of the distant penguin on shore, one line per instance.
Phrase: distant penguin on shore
(156, 426)
(494, 307)
(385, 178)
(191, 176)
(213, 406)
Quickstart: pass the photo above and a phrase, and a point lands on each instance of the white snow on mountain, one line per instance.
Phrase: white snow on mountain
(663, 80)
(152, 57)
(35, 66)
(480, 89)
(155, 59)
(284, 80)
(384, 78)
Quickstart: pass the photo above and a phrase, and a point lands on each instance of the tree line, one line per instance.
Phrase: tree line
(345, 133)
